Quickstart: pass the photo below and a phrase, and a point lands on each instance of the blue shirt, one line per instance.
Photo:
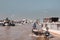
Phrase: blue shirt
(34, 25)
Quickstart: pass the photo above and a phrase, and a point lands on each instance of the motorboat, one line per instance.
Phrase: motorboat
(8, 22)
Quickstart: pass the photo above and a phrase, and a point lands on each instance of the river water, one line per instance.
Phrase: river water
(18, 32)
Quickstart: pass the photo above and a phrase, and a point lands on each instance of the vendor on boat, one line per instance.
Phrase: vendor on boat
(37, 25)
(34, 25)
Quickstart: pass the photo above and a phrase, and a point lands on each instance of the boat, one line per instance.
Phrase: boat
(8, 22)
(53, 24)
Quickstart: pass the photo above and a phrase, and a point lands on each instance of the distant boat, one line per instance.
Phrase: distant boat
(7, 22)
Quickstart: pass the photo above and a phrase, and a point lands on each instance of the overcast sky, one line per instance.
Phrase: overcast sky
(29, 8)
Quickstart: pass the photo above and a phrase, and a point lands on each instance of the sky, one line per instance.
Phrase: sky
(33, 9)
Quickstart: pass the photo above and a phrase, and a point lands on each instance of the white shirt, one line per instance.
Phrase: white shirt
(38, 26)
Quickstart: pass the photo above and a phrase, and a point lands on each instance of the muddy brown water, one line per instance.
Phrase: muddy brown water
(18, 32)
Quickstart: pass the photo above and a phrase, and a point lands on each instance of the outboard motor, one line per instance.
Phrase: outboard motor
(47, 34)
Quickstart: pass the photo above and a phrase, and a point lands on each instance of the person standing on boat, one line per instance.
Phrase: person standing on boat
(37, 25)
(34, 25)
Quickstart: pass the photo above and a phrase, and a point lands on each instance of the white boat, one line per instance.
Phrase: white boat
(53, 26)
